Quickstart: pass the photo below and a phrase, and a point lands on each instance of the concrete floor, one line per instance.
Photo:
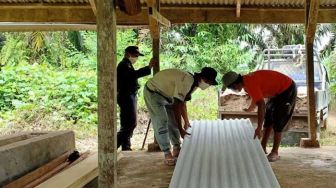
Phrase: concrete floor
(297, 168)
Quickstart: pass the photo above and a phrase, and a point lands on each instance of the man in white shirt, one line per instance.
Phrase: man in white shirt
(165, 96)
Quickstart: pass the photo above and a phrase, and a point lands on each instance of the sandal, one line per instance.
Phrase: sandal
(272, 157)
(170, 161)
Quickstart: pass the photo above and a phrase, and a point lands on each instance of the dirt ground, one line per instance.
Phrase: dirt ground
(306, 168)
(234, 102)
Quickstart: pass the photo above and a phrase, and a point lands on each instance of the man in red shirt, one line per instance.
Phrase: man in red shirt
(281, 92)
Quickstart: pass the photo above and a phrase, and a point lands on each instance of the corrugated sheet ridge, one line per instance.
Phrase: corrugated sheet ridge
(222, 154)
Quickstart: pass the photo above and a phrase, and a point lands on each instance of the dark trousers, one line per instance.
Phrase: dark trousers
(128, 119)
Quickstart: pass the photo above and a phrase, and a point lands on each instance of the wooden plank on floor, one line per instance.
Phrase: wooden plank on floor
(77, 176)
(30, 177)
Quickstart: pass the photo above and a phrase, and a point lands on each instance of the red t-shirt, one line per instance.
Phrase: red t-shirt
(265, 84)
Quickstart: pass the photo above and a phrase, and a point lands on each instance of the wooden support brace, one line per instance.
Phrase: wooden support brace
(238, 8)
(93, 6)
(158, 17)
(155, 19)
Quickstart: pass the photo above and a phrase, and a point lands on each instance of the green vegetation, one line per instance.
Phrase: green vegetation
(48, 79)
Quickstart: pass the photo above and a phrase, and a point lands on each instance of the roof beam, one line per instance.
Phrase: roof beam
(238, 5)
(27, 27)
(84, 14)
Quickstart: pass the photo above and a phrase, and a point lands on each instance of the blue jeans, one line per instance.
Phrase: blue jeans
(163, 120)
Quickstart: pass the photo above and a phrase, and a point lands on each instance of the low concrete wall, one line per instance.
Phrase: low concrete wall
(22, 153)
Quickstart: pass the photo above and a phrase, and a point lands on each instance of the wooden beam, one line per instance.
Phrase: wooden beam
(311, 19)
(176, 15)
(238, 4)
(158, 17)
(154, 26)
(107, 95)
(26, 27)
(93, 6)
(76, 176)
(311, 9)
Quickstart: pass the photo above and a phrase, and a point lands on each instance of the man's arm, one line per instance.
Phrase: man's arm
(250, 108)
(184, 113)
(144, 71)
(178, 108)
(261, 114)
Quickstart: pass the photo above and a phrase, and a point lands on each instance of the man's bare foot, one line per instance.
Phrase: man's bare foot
(272, 157)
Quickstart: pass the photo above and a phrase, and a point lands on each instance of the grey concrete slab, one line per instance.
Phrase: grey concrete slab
(22, 153)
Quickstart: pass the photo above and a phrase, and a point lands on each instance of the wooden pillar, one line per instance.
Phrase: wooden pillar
(156, 53)
(311, 22)
(156, 44)
(155, 34)
(107, 152)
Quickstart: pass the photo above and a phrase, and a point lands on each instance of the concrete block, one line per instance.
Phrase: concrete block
(22, 153)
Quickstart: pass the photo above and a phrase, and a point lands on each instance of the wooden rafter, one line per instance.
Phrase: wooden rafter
(84, 14)
(238, 5)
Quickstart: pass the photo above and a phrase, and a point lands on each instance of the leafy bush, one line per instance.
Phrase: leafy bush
(68, 92)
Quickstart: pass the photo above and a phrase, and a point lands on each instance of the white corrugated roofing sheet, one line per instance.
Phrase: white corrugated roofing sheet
(222, 154)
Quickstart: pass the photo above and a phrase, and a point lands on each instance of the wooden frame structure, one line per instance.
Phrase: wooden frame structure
(104, 16)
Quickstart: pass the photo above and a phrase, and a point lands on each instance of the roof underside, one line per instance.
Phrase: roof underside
(176, 11)
(250, 3)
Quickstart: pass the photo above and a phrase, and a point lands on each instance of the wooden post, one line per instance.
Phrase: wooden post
(107, 141)
(153, 147)
(156, 54)
(311, 21)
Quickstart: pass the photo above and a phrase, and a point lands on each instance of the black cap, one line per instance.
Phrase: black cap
(210, 74)
(133, 50)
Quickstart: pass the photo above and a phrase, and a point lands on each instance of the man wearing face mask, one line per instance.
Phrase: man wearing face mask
(127, 87)
(165, 96)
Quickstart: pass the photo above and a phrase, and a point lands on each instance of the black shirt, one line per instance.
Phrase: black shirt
(127, 77)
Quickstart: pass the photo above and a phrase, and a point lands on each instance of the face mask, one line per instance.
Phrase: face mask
(203, 85)
(133, 59)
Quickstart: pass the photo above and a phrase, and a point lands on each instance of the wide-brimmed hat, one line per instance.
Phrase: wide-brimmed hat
(228, 79)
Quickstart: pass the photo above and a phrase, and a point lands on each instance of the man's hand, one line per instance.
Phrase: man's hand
(183, 133)
(257, 133)
(187, 125)
(246, 110)
(152, 62)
